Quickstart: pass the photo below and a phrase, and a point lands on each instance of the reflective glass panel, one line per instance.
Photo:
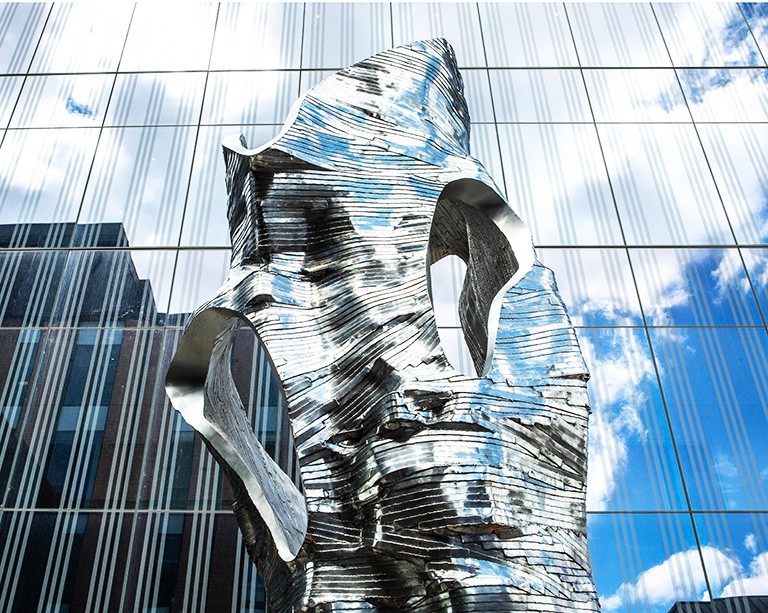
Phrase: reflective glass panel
(739, 162)
(520, 34)
(242, 98)
(169, 37)
(152, 99)
(596, 285)
(478, 95)
(616, 34)
(126, 561)
(632, 462)
(645, 562)
(20, 27)
(716, 390)
(735, 551)
(757, 267)
(83, 38)
(9, 94)
(339, 34)
(694, 287)
(663, 187)
(556, 181)
(456, 22)
(726, 94)
(86, 451)
(29, 281)
(43, 174)
(707, 35)
(59, 561)
(114, 287)
(205, 219)
(140, 178)
(198, 275)
(62, 101)
(18, 358)
(539, 96)
(757, 18)
(258, 35)
(641, 95)
(484, 145)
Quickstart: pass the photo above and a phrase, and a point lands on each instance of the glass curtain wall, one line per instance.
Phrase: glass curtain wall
(631, 138)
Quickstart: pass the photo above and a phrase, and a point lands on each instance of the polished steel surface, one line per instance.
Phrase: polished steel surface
(422, 489)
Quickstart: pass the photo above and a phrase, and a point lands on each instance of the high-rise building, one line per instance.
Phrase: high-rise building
(630, 137)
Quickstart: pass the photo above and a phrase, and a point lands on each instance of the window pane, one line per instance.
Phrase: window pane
(663, 187)
(63, 101)
(739, 162)
(711, 35)
(20, 28)
(539, 96)
(29, 282)
(112, 287)
(478, 95)
(43, 173)
(456, 22)
(198, 275)
(645, 562)
(337, 35)
(717, 394)
(259, 35)
(735, 548)
(632, 464)
(641, 95)
(596, 285)
(242, 98)
(694, 287)
(152, 99)
(83, 38)
(556, 181)
(484, 145)
(757, 18)
(726, 95)
(613, 34)
(757, 267)
(169, 37)
(140, 178)
(9, 94)
(518, 34)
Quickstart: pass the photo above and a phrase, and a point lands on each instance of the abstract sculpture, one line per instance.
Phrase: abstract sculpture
(423, 489)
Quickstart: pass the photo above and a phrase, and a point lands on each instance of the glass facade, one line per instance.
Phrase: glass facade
(631, 138)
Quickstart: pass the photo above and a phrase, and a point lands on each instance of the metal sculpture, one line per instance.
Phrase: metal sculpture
(423, 489)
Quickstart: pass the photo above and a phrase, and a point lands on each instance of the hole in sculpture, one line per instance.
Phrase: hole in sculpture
(474, 225)
(446, 278)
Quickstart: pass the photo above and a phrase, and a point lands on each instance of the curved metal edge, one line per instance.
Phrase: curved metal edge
(281, 505)
(489, 202)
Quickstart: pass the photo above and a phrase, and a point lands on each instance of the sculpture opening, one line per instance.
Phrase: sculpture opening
(473, 222)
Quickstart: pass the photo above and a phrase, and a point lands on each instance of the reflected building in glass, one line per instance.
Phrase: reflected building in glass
(630, 137)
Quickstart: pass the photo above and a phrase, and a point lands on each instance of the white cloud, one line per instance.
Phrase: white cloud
(617, 370)
(676, 578)
(727, 478)
(750, 543)
(755, 582)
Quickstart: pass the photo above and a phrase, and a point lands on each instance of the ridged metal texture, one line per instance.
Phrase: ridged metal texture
(423, 489)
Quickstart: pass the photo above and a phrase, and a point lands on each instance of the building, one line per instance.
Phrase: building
(629, 137)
